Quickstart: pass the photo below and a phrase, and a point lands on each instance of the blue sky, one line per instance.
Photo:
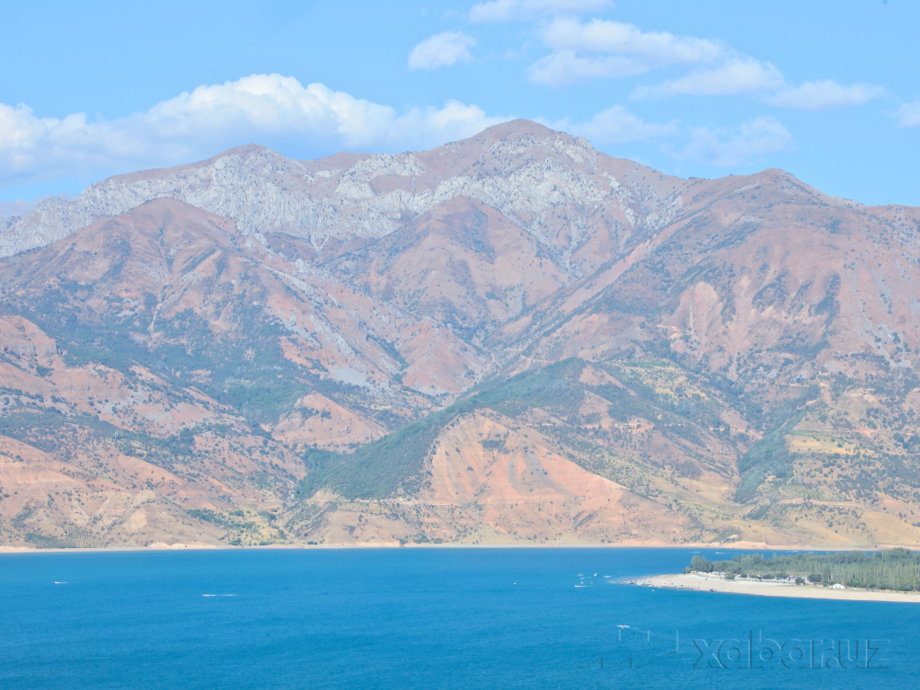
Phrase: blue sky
(826, 90)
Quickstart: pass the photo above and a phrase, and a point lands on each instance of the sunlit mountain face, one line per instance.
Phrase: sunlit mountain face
(511, 338)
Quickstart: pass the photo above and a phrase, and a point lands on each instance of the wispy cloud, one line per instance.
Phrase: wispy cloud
(825, 95)
(734, 76)
(751, 142)
(198, 124)
(586, 50)
(909, 115)
(442, 50)
(656, 48)
(566, 67)
(598, 49)
(528, 10)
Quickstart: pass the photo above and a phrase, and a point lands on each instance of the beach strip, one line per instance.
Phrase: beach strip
(699, 583)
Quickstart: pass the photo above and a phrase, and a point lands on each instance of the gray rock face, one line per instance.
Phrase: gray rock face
(552, 185)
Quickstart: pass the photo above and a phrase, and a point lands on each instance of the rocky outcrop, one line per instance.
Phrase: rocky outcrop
(557, 188)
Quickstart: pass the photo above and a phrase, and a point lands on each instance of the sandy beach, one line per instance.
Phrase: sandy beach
(773, 589)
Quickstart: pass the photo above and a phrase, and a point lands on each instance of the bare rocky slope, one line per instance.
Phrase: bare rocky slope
(513, 338)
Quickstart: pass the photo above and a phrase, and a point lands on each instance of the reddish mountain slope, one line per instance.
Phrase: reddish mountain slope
(513, 337)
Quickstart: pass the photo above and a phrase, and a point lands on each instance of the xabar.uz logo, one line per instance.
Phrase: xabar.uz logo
(633, 648)
(758, 652)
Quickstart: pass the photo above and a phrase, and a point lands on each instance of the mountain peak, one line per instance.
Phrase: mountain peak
(515, 129)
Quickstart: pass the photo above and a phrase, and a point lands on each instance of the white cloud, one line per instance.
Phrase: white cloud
(198, 124)
(754, 140)
(565, 67)
(657, 48)
(737, 75)
(824, 95)
(442, 50)
(616, 125)
(527, 10)
(583, 51)
(909, 115)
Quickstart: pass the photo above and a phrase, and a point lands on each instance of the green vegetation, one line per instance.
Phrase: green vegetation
(241, 528)
(74, 538)
(51, 431)
(897, 569)
(212, 517)
(770, 456)
(380, 468)
(377, 469)
(246, 370)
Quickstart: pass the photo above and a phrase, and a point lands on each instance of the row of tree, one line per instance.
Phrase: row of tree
(897, 569)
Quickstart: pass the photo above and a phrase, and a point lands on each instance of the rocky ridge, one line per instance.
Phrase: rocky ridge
(528, 173)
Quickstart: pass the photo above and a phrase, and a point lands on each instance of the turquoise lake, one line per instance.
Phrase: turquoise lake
(425, 618)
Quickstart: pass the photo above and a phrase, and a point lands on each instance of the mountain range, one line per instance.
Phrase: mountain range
(513, 338)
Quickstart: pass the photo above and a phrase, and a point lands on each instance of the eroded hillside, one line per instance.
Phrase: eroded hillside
(514, 338)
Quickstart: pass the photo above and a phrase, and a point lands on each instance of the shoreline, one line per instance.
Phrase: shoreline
(698, 583)
(156, 547)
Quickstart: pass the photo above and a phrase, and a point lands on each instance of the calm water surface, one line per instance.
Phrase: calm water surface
(425, 618)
